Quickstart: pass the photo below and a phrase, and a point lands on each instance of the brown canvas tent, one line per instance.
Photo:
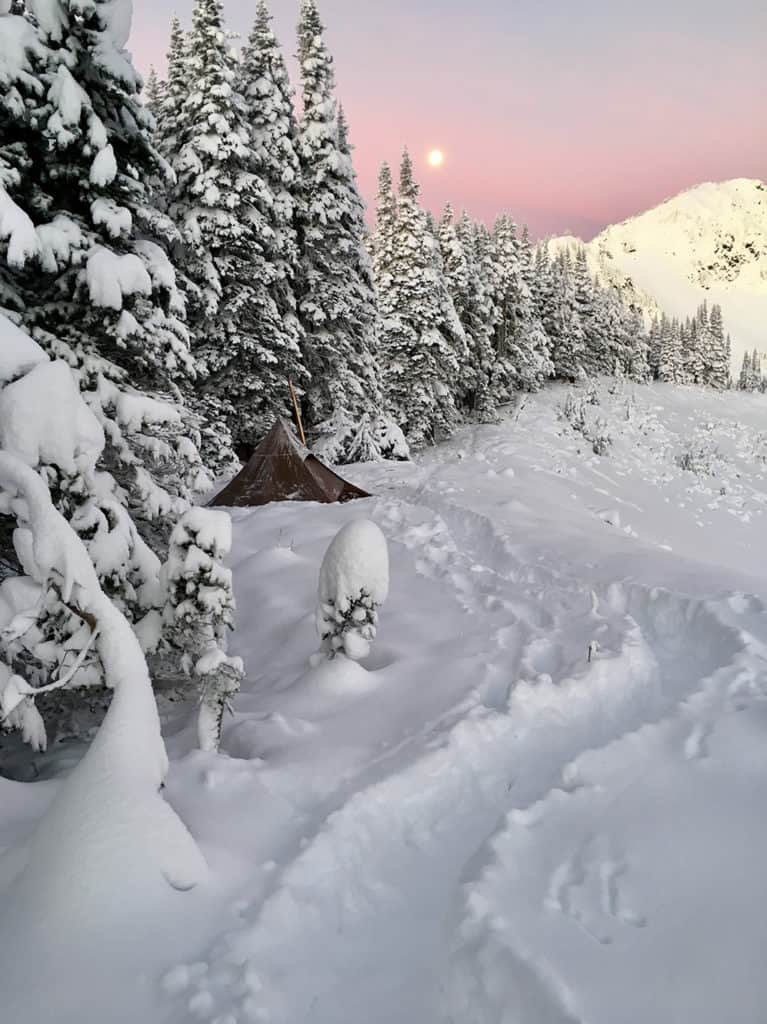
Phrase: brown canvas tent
(282, 469)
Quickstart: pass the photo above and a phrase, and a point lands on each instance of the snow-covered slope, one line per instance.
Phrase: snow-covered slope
(707, 243)
(540, 798)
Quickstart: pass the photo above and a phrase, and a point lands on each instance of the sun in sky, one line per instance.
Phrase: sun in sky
(436, 158)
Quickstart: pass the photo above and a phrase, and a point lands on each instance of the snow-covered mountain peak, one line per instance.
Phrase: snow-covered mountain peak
(709, 242)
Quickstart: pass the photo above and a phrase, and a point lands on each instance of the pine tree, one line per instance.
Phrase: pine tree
(458, 280)
(175, 90)
(596, 357)
(85, 269)
(386, 229)
(744, 381)
(670, 351)
(337, 300)
(421, 332)
(654, 348)
(561, 321)
(478, 317)
(718, 359)
(212, 198)
(153, 93)
(256, 349)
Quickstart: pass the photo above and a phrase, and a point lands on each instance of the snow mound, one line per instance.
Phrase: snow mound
(354, 582)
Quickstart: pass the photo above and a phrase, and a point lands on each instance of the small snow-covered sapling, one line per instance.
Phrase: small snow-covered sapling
(354, 583)
(201, 609)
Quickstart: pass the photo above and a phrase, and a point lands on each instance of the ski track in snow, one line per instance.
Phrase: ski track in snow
(382, 905)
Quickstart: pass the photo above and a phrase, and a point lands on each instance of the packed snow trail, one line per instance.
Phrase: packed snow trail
(554, 748)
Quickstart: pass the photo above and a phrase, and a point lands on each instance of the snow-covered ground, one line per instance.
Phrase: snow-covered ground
(539, 799)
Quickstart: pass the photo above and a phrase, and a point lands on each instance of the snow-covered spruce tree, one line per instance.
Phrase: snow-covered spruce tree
(514, 362)
(670, 351)
(107, 289)
(717, 357)
(458, 273)
(757, 381)
(744, 380)
(382, 247)
(337, 300)
(560, 319)
(635, 361)
(174, 92)
(153, 93)
(653, 348)
(479, 317)
(82, 267)
(213, 202)
(353, 584)
(593, 319)
(421, 333)
(200, 612)
(80, 261)
(694, 345)
(251, 362)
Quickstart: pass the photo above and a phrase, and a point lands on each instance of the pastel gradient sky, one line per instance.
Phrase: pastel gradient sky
(570, 114)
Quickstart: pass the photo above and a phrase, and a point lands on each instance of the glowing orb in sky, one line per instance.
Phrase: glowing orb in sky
(436, 158)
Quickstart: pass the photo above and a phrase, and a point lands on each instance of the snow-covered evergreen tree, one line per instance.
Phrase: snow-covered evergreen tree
(268, 355)
(744, 381)
(479, 317)
(670, 351)
(84, 267)
(153, 93)
(214, 203)
(385, 231)
(337, 301)
(560, 319)
(717, 356)
(458, 280)
(421, 333)
(175, 90)
(200, 612)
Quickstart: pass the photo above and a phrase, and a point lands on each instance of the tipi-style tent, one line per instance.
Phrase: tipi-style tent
(282, 469)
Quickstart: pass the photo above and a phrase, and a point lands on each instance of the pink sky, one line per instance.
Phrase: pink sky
(568, 116)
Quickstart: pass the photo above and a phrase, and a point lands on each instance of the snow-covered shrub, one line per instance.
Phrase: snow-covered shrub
(354, 583)
(699, 457)
(574, 411)
(600, 437)
(200, 612)
(370, 439)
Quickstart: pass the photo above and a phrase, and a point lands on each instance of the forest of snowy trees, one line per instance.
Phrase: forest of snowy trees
(175, 258)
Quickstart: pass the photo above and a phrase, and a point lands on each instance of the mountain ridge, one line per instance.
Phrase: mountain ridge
(708, 242)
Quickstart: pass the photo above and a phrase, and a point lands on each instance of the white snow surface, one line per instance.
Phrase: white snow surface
(18, 352)
(540, 799)
(44, 421)
(709, 242)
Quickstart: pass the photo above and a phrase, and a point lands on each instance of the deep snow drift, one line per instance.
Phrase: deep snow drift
(539, 799)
